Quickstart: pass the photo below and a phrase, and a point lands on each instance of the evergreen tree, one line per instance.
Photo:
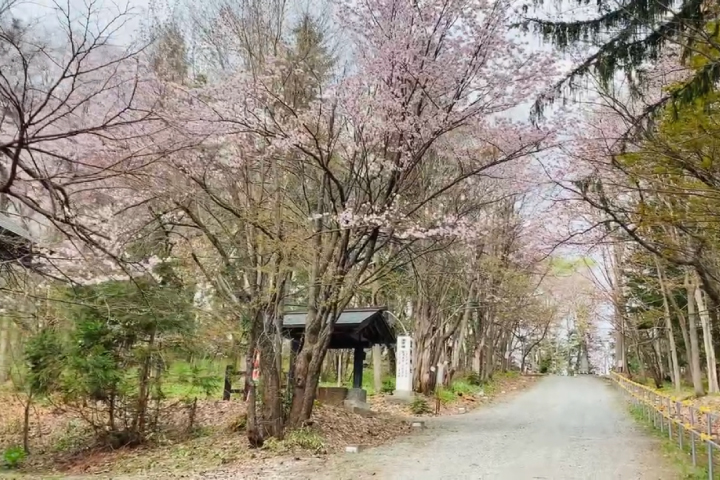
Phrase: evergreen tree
(169, 56)
(628, 34)
(309, 60)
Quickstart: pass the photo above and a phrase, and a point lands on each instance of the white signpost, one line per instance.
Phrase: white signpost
(404, 373)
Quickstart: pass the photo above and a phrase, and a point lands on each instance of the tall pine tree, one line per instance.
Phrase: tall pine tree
(627, 34)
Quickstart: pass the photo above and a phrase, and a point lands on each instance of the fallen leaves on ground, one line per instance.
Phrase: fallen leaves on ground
(57, 446)
(56, 438)
(341, 427)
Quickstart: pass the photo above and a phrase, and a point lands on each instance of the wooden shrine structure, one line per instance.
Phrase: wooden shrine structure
(356, 329)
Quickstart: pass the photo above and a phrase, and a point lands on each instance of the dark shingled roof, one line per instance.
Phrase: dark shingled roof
(356, 327)
(15, 242)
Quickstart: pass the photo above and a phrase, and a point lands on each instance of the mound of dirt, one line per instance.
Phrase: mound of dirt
(340, 427)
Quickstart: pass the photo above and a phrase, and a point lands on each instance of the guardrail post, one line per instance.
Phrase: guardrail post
(655, 417)
(659, 409)
(692, 436)
(710, 446)
(681, 427)
(669, 413)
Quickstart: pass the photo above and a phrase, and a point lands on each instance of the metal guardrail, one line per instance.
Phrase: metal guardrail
(680, 418)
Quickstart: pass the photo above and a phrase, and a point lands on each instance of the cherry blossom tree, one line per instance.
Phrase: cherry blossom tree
(71, 105)
(361, 167)
(291, 168)
(648, 193)
(423, 95)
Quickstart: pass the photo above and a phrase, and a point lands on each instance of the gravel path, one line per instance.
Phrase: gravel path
(562, 428)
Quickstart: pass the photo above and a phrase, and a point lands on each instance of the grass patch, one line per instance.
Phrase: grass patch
(446, 395)
(301, 438)
(197, 379)
(420, 406)
(368, 384)
(472, 384)
(458, 389)
(306, 439)
(464, 388)
(13, 457)
(681, 459)
(667, 388)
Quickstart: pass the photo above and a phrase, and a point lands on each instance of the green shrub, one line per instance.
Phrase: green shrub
(545, 364)
(388, 385)
(13, 457)
(473, 378)
(190, 379)
(464, 387)
(108, 354)
(419, 406)
(74, 437)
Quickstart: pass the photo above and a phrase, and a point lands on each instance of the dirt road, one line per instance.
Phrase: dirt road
(562, 428)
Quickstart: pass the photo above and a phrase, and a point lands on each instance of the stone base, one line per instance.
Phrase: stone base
(356, 395)
(401, 396)
(354, 448)
(356, 402)
(332, 395)
(363, 411)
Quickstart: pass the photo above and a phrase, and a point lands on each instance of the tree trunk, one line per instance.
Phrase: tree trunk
(392, 360)
(377, 368)
(339, 367)
(686, 339)
(254, 435)
(426, 357)
(659, 356)
(477, 358)
(641, 359)
(674, 364)
(488, 354)
(651, 357)
(426, 352)
(708, 340)
(309, 365)
(620, 351)
(459, 344)
(619, 310)
(4, 342)
(270, 347)
(26, 423)
(686, 336)
(694, 346)
(141, 413)
(347, 371)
